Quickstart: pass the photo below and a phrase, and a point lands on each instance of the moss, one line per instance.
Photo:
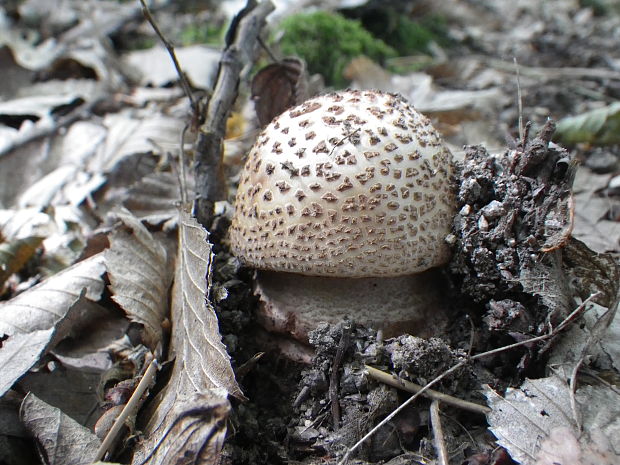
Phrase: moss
(201, 34)
(328, 42)
(406, 36)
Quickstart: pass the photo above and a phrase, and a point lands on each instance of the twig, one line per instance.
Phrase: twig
(440, 440)
(169, 47)
(408, 386)
(248, 366)
(242, 41)
(333, 378)
(129, 410)
(451, 370)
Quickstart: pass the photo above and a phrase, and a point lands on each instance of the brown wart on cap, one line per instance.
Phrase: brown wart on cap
(352, 184)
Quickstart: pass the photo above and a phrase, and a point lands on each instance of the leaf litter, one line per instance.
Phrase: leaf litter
(87, 138)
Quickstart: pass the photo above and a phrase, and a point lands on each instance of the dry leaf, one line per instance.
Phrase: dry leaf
(527, 416)
(600, 126)
(195, 429)
(154, 199)
(592, 272)
(140, 278)
(62, 440)
(14, 255)
(30, 318)
(279, 86)
(202, 373)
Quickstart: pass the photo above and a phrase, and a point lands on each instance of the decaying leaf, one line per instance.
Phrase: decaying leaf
(190, 417)
(199, 63)
(62, 440)
(14, 255)
(526, 419)
(128, 135)
(592, 272)
(279, 86)
(600, 126)
(154, 199)
(594, 207)
(194, 429)
(139, 275)
(30, 318)
(19, 353)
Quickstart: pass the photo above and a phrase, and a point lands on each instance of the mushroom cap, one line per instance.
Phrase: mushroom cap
(351, 184)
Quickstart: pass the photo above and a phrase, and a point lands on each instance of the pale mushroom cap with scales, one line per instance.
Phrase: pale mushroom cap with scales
(348, 184)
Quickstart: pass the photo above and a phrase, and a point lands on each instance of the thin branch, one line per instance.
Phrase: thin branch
(408, 386)
(440, 440)
(130, 409)
(241, 47)
(333, 379)
(170, 48)
(519, 103)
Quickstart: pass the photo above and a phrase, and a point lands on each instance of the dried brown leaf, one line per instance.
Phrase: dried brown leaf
(15, 254)
(63, 440)
(532, 414)
(139, 275)
(30, 318)
(279, 86)
(189, 420)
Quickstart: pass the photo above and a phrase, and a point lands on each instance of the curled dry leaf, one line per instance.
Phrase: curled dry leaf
(63, 440)
(189, 419)
(29, 320)
(139, 275)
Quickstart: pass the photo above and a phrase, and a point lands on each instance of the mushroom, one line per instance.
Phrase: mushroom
(343, 205)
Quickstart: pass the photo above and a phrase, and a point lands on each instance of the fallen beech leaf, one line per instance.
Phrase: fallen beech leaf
(190, 418)
(29, 320)
(155, 197)
(197, 341)
(195, 429)
(19, 353)
(139, 275)
(63, 440)
(526, 417)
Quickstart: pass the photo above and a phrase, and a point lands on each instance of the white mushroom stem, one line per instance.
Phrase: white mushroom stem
(294, 304)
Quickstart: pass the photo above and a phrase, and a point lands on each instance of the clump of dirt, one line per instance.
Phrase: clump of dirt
(338, 402)
(508, 214)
